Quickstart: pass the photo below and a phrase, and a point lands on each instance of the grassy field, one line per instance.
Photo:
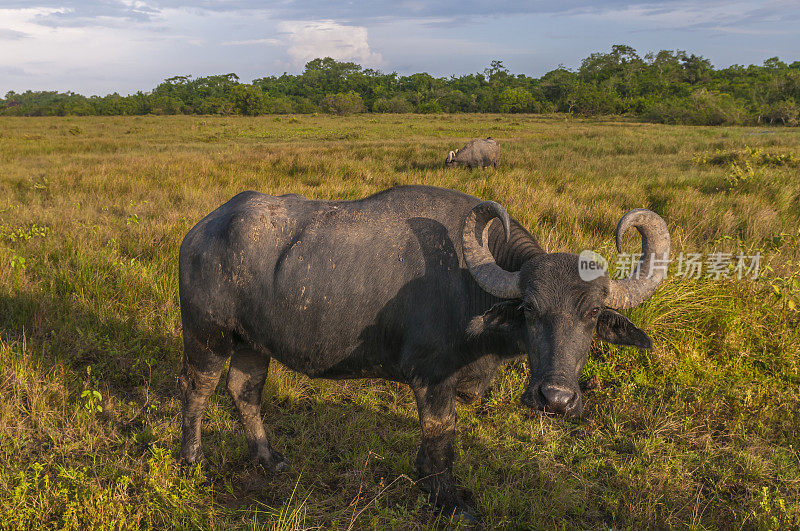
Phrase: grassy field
(702, 432)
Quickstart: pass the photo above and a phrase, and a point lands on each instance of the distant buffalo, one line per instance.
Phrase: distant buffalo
(478, 153)
(420, 285)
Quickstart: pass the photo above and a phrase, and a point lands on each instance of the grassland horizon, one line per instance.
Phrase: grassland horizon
(702, 432)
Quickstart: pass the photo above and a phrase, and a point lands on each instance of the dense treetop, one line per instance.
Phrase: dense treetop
(668, 86)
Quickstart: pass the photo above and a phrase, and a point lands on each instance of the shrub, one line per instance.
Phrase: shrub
(166, 105)
(784, 111)
(305, 106)
(279, 105)
(714, 108)
(343, 103)
(702, 107)
(456, 101)
(248, 100)
(591, 100)
(517, 99)
(215, 105)
(429, 107)
(398, 104)
(754, 156)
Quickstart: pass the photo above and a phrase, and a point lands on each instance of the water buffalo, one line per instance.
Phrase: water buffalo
(415, 284)
(477, 153)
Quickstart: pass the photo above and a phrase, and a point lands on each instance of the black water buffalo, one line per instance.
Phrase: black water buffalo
(415, 284)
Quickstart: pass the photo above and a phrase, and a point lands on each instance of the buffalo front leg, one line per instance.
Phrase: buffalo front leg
(246, 378)
(434, 464)
(202, 367)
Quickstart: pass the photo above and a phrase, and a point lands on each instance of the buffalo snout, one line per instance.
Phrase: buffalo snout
(555, 398)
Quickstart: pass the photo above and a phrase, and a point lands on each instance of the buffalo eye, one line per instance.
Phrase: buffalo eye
(594, 312)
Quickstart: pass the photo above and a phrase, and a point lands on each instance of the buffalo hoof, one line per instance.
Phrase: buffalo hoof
(188, 463)
(275, 463)
(462, 515)
(459, 512)
(191, 457)
(281, 466)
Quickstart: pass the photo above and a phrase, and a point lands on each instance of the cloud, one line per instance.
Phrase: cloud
(11, 34)
(248, 42)
(12, 71)
(92, 13)
(454, 10)
(744, 17)
(326, 38)
(87, 12)
(127, 13)
(48, 53)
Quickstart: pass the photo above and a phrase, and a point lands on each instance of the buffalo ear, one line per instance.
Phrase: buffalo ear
(505, 317)
(613, 327)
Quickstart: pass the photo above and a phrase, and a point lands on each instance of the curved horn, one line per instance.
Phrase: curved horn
(475, 238)
(652, 267)
(450, 156)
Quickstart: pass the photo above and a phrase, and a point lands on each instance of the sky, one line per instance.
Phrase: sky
(104, 46)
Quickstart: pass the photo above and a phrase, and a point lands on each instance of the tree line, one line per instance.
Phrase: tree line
(668, 87)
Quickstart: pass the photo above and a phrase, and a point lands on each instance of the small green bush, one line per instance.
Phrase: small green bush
(398, 104)
(702, 107)
(343, 103)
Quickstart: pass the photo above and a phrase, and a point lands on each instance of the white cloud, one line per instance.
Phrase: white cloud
(326, 38)
(11, 34)
(63, 45)
(22, 20)
(682, 16)
(46, 50)
(93, 59)
(248, 42)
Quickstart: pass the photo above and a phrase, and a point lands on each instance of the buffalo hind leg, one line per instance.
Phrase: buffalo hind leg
(246, 378)
(202, 366)
(436, 407)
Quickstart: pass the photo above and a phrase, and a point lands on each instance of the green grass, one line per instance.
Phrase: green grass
(702, 432)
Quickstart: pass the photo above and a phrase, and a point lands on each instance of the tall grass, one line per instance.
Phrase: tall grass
(701, 432)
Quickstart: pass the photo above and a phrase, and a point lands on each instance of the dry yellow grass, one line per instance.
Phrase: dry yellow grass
(702, 432)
